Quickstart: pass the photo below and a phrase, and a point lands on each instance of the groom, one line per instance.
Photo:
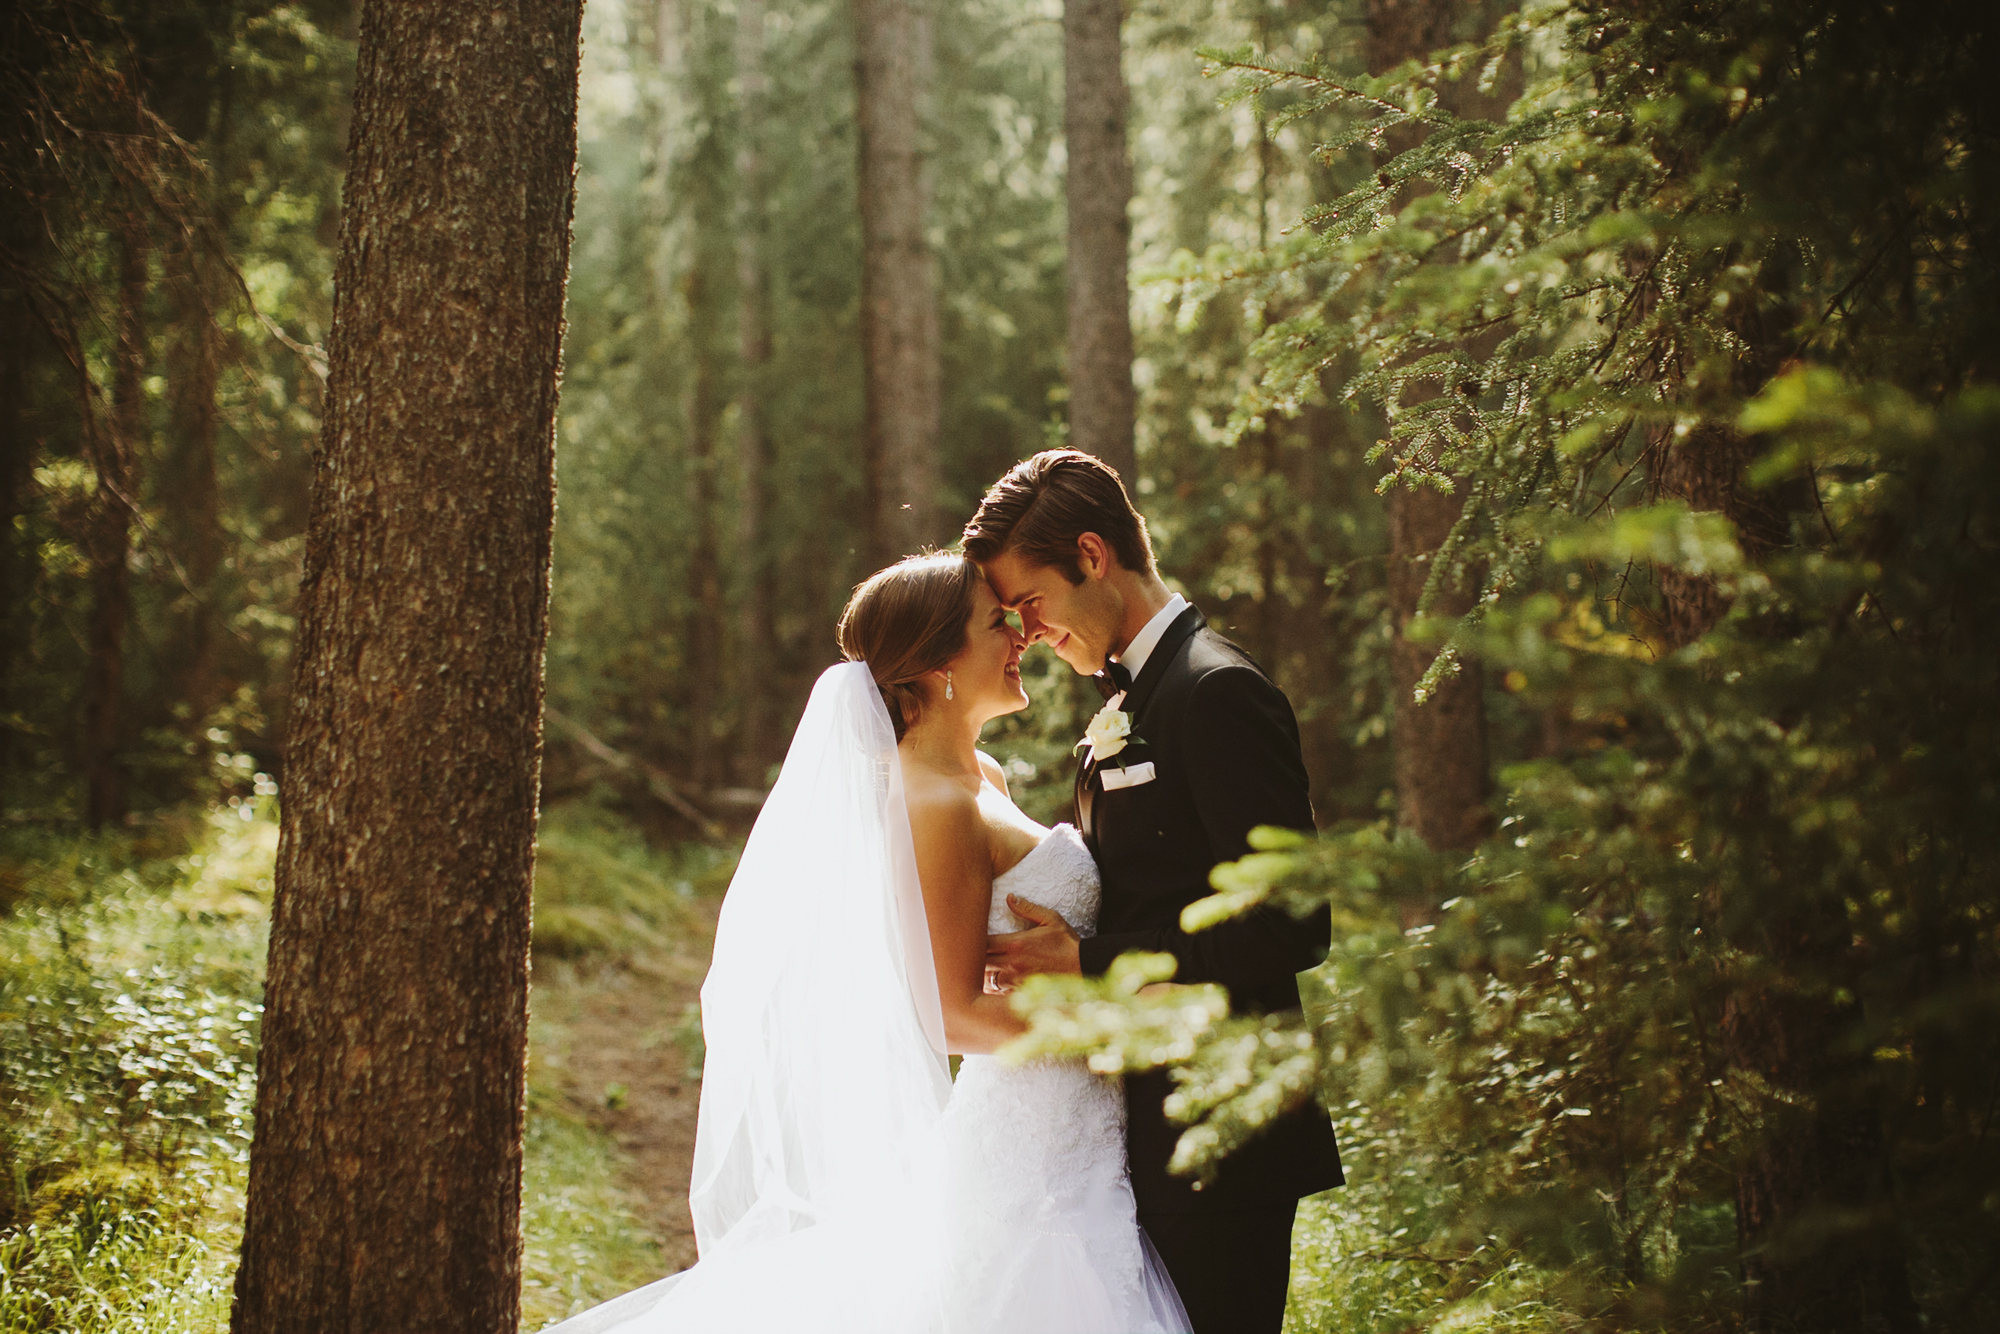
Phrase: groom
(1213, 753)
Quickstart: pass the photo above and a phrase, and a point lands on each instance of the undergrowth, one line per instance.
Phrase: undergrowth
(131, 978)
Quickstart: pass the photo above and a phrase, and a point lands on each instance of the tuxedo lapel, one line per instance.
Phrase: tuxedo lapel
(1142, 689)
(1083, 803)
(1160, 659)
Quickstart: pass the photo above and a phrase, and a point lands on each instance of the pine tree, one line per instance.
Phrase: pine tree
(1097, 192)
(756, 632)
(386, 1172)
(1701, 336)
(899, 301)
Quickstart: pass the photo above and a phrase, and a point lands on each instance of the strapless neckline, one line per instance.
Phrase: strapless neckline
(1058, 873)
(1054, 836)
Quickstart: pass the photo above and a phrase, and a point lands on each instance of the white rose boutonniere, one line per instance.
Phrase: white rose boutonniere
(1106, 734)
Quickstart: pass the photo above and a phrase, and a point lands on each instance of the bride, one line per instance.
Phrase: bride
(842, 1180)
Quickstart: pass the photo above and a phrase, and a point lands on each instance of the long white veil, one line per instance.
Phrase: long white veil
(825, 1037)
(825, 1075)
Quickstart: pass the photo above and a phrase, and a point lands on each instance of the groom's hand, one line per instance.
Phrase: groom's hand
(1049, 946)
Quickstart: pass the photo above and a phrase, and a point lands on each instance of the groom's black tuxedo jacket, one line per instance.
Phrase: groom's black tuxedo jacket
(1225, 753)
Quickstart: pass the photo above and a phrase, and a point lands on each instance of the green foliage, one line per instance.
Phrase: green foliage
(653, 382)
(220, 128)
(582, 1242)
(1539, 1051)
(1755, 235)
(131, 972)
(128, 1009)
(129, 1005)
(601, 891)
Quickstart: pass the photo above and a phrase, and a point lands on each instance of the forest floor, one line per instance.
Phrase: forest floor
(620, 1042)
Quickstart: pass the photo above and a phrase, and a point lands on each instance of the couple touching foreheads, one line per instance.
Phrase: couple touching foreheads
(891, 891)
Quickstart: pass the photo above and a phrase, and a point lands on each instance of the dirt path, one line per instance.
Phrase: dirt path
(624, 1066)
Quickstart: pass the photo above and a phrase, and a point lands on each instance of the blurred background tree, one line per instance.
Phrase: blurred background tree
(171, 181)
(1613, 380)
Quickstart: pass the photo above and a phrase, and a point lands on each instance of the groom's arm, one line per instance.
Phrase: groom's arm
(1240, 749)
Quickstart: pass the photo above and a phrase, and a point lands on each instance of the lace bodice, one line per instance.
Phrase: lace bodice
(1035, 1167)
(1057, 873)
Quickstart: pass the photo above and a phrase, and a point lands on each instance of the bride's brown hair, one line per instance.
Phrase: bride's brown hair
(906, 622)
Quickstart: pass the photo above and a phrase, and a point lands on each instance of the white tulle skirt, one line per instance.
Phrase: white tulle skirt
(1021, 1221)
(843, 1183)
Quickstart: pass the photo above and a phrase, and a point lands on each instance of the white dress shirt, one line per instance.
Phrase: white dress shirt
(1142, 645)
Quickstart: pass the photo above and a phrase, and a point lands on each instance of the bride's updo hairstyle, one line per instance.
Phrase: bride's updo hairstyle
(908, 621)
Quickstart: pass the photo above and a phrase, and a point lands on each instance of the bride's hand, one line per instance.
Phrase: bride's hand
(1048, 946)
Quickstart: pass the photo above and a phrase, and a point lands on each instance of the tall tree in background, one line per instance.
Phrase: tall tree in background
(115, 459)
(1727, 470)
(1440, 735)
(17, 452)
(1097, 192)
(118, 121)
(21, 253)
(189, 484)
(1822, 1154)
(756, 633)
(693, 159)
(385, 1176)
(899, 297)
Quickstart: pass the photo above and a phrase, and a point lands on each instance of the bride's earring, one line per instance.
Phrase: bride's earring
(947, 685)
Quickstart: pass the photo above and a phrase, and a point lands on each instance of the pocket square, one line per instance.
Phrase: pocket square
(1130, 776)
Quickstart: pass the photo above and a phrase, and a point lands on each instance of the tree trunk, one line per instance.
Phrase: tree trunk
(1400, 30)
(899, 302)
(756, 634)
(1814, 1215)
(1279, 492)
(17, 459)
(191, 498)
(1819, 1245)
(1440, 741)
(1704, 470)
(704, 412)
(1097, 192)
(694, 165)
(385, 1178)
(115, 459)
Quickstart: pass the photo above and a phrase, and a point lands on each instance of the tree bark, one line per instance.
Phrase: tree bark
(385, 1177)
(695, 172)
(704, 413)
(192, 497)
(1097, 192)
(115, 458)
(899, 301)
(17, 458)
(1704, 470)
(1814, 1212)
(1440, 742)
(756, 630)
(1400, 30)
(1819, 1245)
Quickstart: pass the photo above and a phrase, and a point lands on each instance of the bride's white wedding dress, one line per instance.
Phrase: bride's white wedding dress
(1042, 1234)
(843, 1184)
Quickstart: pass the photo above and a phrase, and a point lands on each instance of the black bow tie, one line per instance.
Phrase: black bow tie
(1112, 679)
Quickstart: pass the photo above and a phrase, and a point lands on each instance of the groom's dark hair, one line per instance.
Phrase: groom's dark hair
(1045, 503)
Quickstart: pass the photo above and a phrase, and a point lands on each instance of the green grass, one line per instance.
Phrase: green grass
(131, 977)
(582, 1243)
(601, 890)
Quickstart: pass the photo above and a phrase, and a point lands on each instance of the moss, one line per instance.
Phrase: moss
(104, 1198)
